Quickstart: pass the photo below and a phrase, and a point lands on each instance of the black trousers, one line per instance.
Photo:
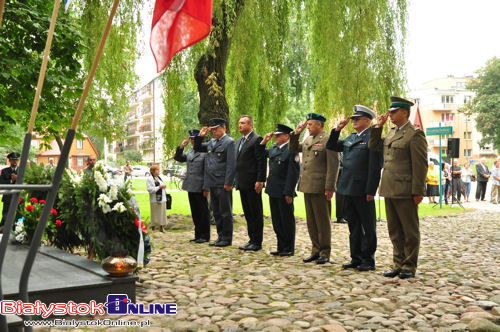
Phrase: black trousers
(362, 223)
(456, 191)
(5, 208)
(201, 215)
(283, 223)
(481, 190)
(221, 202)
(252, 207)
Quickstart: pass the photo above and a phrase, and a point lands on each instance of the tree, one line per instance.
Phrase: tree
(277, 60)
(75, 42)
(486, 103)
(133, 155)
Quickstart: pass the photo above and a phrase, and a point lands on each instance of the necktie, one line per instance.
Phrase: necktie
(241, 144)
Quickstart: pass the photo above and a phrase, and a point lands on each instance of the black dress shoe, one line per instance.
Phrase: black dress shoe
(246, 246)
(201, 240)
(193, 240)
(350, 266)
(392, 274)
(275, 253)
(341, 221)
(311, 258)
(254, 247)
(322, 260)
(366, 267)
(214, 243)
(405, 274)
(222, 244)
(286, 253)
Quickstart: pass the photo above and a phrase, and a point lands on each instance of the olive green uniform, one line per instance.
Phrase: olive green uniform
(319, 172)
(404, 176)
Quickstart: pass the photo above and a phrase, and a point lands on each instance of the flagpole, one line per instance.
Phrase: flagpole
(43, 70)
(2, 4)
(97, 58)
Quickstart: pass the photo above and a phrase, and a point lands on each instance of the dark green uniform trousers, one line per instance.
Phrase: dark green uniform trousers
(318, 223)
(403, 227)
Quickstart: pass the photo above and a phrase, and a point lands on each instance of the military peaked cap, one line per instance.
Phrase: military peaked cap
(397, 103)
(13, 156)
(193, 132)
(360, 110)
(216, 122)
(282, 129)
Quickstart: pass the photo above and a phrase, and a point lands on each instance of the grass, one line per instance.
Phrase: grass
(180, 203)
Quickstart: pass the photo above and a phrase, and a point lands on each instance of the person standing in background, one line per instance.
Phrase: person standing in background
(495, 175)
(157, 199)
(483, 175)
(127, 170)
(467, 175)
(432, 183)
(8, 176)
(456, 181)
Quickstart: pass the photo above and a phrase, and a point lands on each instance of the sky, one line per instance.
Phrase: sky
(444, 37)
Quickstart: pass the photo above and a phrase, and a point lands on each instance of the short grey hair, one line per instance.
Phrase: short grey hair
(250, 119)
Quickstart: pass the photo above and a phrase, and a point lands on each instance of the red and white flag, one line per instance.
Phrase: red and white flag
(178, 24)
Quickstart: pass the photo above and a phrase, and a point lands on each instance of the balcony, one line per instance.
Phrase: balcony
(130, 147)
(145, 128)
(440, 107)
(148, 144)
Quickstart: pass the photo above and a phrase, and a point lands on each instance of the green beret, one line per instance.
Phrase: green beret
(315, 116)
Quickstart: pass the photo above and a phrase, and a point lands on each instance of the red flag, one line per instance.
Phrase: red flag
(178, 24)
(418, 120)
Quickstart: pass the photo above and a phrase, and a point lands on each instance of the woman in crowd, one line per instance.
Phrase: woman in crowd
(467, 176)
(446, 178)
(157, 199)
(432, 183)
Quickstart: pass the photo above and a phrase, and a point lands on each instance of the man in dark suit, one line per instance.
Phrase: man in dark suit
(218, 177)
(284, 171)
(358, 183)
(483, 175)
(193, 184)
(249, 180)
(8, 176)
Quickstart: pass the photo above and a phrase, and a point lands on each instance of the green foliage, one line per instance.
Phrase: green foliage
(291, 57)
(133, 156)
(486, 103)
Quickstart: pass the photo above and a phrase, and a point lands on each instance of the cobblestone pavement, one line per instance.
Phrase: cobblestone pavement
(457, 287)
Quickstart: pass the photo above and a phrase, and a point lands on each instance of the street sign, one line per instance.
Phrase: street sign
(439, 131)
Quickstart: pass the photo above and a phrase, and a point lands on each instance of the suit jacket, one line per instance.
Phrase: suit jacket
(251, 163)
(481, 171)
(320, 166)
(284, 171)
(195, 169)
(361, 167)
(219, 161)
(405, 161)
(5, 178)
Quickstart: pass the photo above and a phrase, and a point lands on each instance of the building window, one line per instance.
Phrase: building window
(70, 162)
(467, 99)
(467, 152)
(447, 99)
(36, 144)
(79, 161)
(447, 117)
(468, 134)
(79, 144)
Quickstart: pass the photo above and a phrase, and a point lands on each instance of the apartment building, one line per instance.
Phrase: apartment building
(144, 124)
(439, 101)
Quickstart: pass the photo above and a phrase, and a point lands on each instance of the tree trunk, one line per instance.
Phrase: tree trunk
(210, 71)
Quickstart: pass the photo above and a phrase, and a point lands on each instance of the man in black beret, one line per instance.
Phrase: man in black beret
(8, 176)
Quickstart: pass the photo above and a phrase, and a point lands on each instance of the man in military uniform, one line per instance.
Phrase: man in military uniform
(318, 178)
(358, 183)
(403, 183)
(218, 177)
(8, 176)
(193, 184)
(284, 170)
(250, 176)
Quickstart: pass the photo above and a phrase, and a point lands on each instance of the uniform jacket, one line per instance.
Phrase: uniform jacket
(284, 171)
(251, 163)
(5, 178)
(361, 167)
(481, 171)
(320, 166)
(405, 161)
(195, 169)
(219, 161)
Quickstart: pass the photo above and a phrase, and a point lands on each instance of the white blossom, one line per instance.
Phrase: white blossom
(106, 208)
(101, 182)
(119, 207)
(113, 192)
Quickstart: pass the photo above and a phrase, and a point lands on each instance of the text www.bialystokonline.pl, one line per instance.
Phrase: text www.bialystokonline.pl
(88, 323)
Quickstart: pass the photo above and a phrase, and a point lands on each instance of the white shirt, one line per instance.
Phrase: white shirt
(404, 125)
(359, 134)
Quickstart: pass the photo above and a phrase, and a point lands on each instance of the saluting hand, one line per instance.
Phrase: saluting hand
(300, 127)
(267, 138)
(342, 124)
(204, 131)
(184, 143)
(382, 119)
